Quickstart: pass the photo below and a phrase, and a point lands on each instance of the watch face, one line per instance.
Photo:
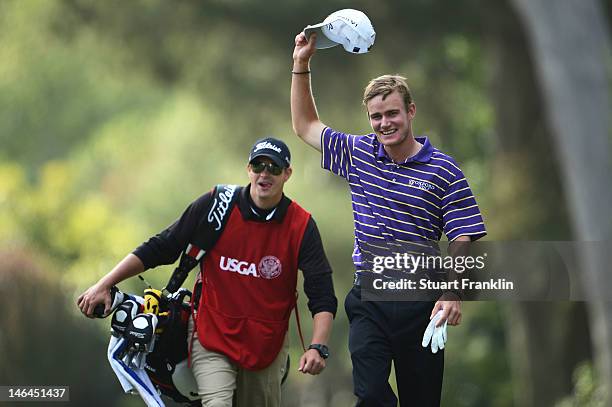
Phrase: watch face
(322, 349)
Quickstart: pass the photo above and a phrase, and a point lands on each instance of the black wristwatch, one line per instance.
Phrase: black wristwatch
(322, 349)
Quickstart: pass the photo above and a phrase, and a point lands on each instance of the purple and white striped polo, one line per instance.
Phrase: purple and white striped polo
(416, 200)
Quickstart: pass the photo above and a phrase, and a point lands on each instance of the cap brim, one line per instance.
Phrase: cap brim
(322, 40)
(275, 159)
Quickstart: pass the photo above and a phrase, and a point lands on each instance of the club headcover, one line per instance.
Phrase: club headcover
(123, 317)
(140, 333)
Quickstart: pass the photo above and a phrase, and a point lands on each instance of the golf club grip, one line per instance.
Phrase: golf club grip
(98, 311)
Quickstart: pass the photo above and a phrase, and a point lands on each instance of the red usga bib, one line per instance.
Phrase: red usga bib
(249, 284)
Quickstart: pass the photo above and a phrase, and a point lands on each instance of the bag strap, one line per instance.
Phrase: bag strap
(297, 319)
(207, 233)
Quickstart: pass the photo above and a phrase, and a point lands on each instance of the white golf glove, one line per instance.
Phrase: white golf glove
(435, 335)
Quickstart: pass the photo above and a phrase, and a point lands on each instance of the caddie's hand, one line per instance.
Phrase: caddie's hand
(451, 310)
(311, 362)
(304, 48)
(94, 295)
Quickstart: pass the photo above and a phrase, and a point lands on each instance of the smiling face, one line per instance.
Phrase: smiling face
(391, 120)
(266, 188)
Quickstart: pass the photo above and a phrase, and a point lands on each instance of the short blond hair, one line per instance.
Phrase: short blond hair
(385, 85)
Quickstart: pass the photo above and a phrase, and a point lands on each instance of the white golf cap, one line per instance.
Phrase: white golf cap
(351, 28)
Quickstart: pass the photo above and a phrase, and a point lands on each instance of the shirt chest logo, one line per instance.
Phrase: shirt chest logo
(269, 267)
(425, 186)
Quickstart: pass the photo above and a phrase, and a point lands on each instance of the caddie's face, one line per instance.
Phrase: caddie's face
(390, 120)
(265, 186)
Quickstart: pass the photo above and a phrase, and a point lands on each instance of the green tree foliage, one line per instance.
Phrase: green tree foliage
(42, 341)
(587, 391)
(115, 115)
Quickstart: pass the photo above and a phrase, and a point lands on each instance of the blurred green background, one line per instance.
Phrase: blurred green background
(115, 115)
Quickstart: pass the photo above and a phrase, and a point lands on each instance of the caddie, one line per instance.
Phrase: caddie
(238, 333)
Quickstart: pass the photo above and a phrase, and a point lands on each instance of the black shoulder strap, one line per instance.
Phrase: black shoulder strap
(207, 233)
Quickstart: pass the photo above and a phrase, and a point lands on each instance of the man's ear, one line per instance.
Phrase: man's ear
(411, 110)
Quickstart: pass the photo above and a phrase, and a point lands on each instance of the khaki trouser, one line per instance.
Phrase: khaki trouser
(218, 378)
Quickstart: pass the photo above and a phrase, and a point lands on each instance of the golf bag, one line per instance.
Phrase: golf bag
(167, 365)
(159, 343)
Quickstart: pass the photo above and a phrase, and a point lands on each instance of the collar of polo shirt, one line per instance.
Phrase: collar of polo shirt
(423, 156)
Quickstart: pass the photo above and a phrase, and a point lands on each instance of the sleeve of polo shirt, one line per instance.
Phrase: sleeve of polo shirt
(318, 283)
(336, 151)
(460, 212)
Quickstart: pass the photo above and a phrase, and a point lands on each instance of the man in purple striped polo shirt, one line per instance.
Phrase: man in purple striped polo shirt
(402, 190)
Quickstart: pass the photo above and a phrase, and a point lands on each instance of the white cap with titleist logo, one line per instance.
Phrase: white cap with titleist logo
(351, 28)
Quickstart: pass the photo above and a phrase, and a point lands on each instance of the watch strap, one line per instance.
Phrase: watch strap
(322, 349)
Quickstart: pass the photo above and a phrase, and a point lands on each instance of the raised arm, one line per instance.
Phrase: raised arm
(304, 116)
